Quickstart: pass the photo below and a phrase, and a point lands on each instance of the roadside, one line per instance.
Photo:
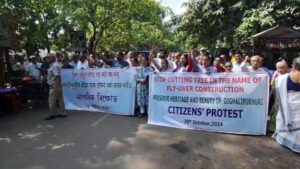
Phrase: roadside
(86, 140)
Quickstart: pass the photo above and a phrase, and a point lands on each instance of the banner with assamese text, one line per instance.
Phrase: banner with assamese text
(100, 90)
(230, 103)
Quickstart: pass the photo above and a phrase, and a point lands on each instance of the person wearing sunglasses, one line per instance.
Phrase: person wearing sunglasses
(228, 67)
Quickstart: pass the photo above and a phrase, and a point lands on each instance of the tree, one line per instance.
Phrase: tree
(225, 23)
(268, 14)
(35, 19)
(111, 22)
(122, 24)
(211, 21)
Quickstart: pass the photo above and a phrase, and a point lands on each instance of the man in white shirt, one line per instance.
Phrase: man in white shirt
(240, 63)
(83, 62)
(55, 92)
(255, 65)
(204, 66)
(33, 68)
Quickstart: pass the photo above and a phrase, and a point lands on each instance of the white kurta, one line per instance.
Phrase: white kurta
(288, 117)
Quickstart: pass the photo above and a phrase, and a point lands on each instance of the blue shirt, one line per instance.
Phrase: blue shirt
(118, 63)
(292, 86)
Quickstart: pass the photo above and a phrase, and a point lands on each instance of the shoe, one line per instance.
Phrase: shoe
(141, 115)
(62, 116)
(50, 117)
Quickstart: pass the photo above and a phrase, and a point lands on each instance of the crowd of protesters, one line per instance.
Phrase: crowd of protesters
(47, 72)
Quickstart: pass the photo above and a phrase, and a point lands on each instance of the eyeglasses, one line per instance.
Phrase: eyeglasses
(228, 66)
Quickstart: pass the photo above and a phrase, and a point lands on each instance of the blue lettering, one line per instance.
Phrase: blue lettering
(224, 113)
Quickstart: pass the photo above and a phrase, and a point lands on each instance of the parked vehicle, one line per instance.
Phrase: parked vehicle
(29, 89)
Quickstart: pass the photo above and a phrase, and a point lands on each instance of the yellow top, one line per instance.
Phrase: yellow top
(233, 59)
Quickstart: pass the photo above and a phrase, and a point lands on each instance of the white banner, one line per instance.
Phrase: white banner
(101, 90)
(230, 103)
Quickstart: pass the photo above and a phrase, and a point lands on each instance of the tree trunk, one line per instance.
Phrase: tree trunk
(98, 39)
(92, 39)
(1, 67)
(8, 63)
(48, 44)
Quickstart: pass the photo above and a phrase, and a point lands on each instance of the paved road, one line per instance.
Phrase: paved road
(87, 140)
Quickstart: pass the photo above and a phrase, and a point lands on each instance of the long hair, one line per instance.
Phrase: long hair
(167, 62)
(186, 56)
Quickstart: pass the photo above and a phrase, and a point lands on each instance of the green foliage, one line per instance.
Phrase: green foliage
(225, 23)
(266, 15)
(139, 24)
(109, 25)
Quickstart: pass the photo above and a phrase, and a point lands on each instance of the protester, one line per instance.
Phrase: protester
(97, 62)
(106, 58)
(91, 62)
(288, 117)
(132, 59)
(33, 68)
(83, 62)
(270, 73)
(232, 55)
(176, 60)
(164, 66)
(203, 51)
(223, 59)
(55, 93)
(44, 68)
(74, 61)
(142, 85)
(228, 67)
(281, 69)
(162, 54)
(66, 63)
(218, 65)
(152, 53)
(205, 65)
(199, 61)
(255, 65)
(186, 64)
(118, 62)
(18, 68)
(239, 63)
(194, 55)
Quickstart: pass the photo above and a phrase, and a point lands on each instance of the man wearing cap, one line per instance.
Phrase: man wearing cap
(203, 51)
(55, 92)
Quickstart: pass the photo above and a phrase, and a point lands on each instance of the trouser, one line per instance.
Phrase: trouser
(56, 99)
